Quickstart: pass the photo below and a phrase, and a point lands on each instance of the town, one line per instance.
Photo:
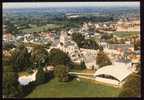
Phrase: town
(103, 52)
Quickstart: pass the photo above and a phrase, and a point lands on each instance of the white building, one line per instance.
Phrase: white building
(69, 47)
(113, 74)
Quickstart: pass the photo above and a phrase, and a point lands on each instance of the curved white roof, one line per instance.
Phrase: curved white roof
(118, 70)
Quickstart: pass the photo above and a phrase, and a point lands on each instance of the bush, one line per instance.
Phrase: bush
(131, 87)
(61, 73)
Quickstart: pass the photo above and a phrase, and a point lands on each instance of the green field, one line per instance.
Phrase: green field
(41, 28)
(125, 34)
(73, 88)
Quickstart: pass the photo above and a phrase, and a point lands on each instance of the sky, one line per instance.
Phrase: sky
(67, 4)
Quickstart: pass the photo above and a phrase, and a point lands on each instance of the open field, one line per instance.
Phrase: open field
(41, 28)
(82, 88)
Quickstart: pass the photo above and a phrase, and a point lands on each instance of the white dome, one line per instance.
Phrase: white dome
(118, 70)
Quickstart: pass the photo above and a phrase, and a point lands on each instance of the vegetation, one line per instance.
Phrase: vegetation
(58, 57)
(82, 65)
(84, 43)
(125, 34)
(73, 88)
(11, 28)
(102, 59)
(40, 28)
(132, 87)
(24, 73)
(107, 36)
(61, 73)
(137, 44)
(11, 87)
(39, 57)
(78, 38)
(21, 58)
(40, 76)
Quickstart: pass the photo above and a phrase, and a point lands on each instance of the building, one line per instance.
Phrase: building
(67, 45)
(113, 74)
(128, 25)
(8, 37)
(89, 57)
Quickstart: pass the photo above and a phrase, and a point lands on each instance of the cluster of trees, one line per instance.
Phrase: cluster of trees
(11, 28)
(111, 39)
(22, 60)
(58, 57)
(132, 86)
(61, 73)
(10, 85)
(39, 57)
(102, 59)
(84, 43)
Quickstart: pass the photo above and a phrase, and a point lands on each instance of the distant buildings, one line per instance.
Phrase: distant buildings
(8, 37)
(128, 25)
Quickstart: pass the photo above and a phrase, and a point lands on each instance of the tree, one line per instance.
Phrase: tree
(137, 44)
(84, 43)
(82, 65)
(61, 73)
(11, 87)
(90, 44)
(106, 36)
(58, 57)
(21, 58)
(131, 87)
(78, 38)
(102, 59)
(11, 27)
(39, 57)
(40, 76)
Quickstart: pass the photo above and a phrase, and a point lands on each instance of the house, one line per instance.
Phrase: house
(8, 37)
(89, 57)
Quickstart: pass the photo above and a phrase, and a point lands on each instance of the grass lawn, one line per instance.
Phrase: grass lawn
(73, 88)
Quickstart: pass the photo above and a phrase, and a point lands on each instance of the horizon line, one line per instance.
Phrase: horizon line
(68, 4)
